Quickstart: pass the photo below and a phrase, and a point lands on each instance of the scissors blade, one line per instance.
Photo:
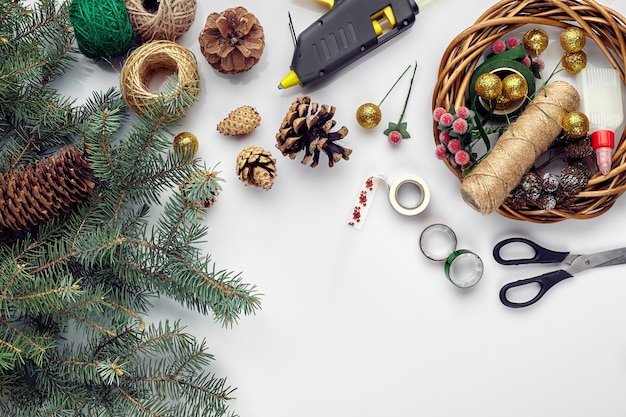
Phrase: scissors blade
(599, 259)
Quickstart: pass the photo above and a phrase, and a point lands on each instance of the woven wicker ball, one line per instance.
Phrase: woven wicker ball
(161, 19)
(602, 25)
(147, 61)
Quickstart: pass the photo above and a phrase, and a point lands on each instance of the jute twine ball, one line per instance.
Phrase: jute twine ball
(160, 57)
(161, 19)
(102, 28)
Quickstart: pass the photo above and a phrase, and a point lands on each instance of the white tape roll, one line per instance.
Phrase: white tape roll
(400, 182)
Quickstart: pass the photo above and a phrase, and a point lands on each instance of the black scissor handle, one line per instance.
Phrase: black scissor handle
(545, 281)
(542, 255)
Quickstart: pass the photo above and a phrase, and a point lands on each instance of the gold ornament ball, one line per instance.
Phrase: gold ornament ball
(185, 145)
(502, 102)
(368, 115)
(573, 39)
(574, 62)
(488, 86)
(536, 40)
(514, 87)
(575, 124)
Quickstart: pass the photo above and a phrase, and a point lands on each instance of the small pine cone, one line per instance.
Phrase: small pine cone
(241, 121)
(547, 201)
(580, 148)
(202, 188)
(549, 182)
(582, 165)
(256, 167)
(518, 198)
(574, 179)
(307, 127)
(34, 194)
(531, 186)
(232, 41)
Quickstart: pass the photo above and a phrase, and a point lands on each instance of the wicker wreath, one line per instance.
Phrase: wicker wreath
(601, 24)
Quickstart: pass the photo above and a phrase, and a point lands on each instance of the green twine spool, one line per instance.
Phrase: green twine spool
(102, 27)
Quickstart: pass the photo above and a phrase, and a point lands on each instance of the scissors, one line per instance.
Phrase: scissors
(577, 263)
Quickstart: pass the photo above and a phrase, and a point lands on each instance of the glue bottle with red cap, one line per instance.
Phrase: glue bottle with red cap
(601, 95)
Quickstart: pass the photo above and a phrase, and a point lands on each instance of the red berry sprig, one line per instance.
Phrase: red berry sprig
(395, 132)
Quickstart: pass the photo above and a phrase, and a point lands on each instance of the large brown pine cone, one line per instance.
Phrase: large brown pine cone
(232, 41)
(36, 193)
(307, 127)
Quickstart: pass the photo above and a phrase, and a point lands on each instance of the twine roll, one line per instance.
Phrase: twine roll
(486, 187)
(170, 20)
(152, 58)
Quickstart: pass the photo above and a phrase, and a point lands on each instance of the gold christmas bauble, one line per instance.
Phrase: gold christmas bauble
(573, 39)
(185, 145)
(368, 115)
(575, 124)
(488, 86)
(514, 87)
(574, 62)
(535, 40)
(502, 102)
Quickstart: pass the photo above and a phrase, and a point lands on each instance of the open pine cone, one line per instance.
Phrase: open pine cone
(307, 127)
(256, 167)
(232, 41)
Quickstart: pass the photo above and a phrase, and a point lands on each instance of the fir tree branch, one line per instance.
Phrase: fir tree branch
(144, 408)
(128, 311)
(91, 272)
(64, 391)
(148, 141)
(39, 348)
(90, 323)
(40, 294)
(48, 16)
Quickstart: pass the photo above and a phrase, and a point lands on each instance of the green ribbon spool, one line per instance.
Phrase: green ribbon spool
(464, 268)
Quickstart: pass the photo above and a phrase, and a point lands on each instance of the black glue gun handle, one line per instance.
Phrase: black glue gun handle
(344, 34)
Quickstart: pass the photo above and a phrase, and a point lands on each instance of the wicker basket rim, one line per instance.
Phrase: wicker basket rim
(603, 25)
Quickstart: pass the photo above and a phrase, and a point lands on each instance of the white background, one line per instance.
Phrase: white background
(360, 323)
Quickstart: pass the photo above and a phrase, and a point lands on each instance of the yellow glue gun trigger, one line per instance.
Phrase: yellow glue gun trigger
(383, 21)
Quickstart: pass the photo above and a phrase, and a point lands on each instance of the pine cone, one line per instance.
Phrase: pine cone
(574, 178)
(531, 185)
(256, 167)
(232, 41)
(37, 193)
(547, 201)
(307, 126)
(580, 148)
(549, 182)
(202, 188)
(241, 121)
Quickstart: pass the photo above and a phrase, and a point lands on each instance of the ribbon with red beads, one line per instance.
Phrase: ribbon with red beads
(361, 207)
(366, 195)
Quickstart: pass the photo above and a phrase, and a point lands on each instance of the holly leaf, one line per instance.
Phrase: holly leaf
(403, 131)
(400, 127)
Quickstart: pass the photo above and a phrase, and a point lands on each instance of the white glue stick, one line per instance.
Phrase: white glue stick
(601, 101)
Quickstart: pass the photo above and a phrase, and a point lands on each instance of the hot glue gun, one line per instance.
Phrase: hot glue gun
(348, 31)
